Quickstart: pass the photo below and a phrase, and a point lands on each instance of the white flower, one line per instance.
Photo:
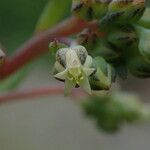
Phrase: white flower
(74, 66)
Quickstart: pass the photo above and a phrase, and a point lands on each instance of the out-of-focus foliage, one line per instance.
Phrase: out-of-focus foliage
(148, 2)
(17, 20)
(112, 110)
(54, 11)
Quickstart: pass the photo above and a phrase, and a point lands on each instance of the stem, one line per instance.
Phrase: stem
(38, 45)
(18, 95)
(34, 93)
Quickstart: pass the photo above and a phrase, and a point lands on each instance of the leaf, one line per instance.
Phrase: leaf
(54, 11)
(17, 21)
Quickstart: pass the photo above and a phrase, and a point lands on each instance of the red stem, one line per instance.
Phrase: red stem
(34, 93)
(38, 45)
(20, 95)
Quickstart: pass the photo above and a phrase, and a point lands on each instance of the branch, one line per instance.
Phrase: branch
(38, 45)
(29, 94)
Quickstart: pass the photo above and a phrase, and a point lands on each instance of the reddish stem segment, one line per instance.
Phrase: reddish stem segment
(29, 94)
(38, 45)
(18, 95)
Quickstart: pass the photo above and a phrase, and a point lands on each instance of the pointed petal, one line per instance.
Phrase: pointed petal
(89, 61)
(86, 85)
(88, 71)
(72, 59)
(69, 85)
(61, 75)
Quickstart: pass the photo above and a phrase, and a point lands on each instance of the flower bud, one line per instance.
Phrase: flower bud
(100, 8)
(123, 37)
(145, 19)
(112, 110)
(89, 39)
(137, 64)
(122, 12)
(107, 50)
(89, 9)
(104, 75)
(144, 42)
(74, 66)
(131, 10)
(139, 67)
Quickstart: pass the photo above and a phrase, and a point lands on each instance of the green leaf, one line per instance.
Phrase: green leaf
(17, 21)
(54, 11)
(145, 20)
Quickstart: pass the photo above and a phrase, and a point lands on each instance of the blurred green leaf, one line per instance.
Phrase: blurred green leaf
(54, 11)
(17, 21)
(112, 110)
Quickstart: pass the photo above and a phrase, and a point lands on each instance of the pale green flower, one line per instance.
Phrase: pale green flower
(74, 66)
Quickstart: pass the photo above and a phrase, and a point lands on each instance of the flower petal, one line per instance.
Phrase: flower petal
(89, 61)
(85, 84)
(89, 71)
(72, 59)
(62, 75)
(69, 85)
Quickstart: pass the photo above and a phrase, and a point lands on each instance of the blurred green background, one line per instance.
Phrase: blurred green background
(17, 20)
(55, 123)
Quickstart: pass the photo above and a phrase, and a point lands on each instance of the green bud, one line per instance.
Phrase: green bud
(144, 42)
(130, 10)
(122, 12)
(82, 9)
(130, 106)
(89, 39)
(123, 37)
(136, 63)
(112, 110)
(89, 9)
(74, 66)
(100, 8)
(139, 67)
(107, 50)
(104, 75)
(145, 19)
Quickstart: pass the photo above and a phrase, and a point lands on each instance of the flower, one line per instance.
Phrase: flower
(73, 65)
